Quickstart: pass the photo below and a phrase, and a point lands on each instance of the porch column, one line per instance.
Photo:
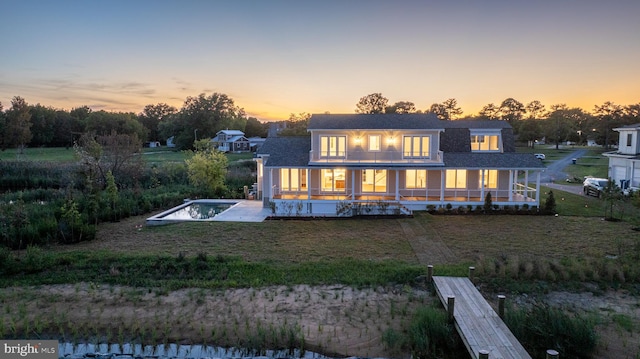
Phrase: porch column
(526, 184)
(482, 176)
(442, 184)
(353, 185)
(397, 185)
(512, 183)
(308, 184)
(271, 183)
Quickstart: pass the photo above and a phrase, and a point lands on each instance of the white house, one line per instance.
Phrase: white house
(231, 141)
(624, 163)
(404, 162)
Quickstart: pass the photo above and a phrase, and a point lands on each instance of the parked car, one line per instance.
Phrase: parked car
(594, 186)
(540, 156)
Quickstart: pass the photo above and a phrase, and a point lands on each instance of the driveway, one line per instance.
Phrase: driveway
(555, 171)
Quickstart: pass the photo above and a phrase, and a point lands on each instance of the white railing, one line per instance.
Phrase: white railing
(381, 157)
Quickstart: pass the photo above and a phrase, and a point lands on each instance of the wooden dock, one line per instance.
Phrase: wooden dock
(478, 324)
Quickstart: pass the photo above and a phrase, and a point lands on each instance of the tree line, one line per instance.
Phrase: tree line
(202, 116)
(23, 125)
(531, 121)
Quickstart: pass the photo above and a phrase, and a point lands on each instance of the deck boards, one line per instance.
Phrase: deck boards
(479, 325)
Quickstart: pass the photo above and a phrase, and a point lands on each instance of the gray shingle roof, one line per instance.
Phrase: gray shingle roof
(286, 151)
(411, 121)
(491, 160)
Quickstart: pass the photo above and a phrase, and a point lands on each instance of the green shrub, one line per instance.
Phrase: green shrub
(543, 327)
(429, 335)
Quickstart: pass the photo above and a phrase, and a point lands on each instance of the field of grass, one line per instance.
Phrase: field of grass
(53, 154)
(60, 154)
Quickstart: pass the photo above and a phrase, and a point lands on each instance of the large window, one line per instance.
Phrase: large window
(485, 143)
(374, 180)
(456, 179)
(415, 179)
(415, 146)
(488, 178)
(333, 180)
(333, 146)
(293, 179)
(375, 142)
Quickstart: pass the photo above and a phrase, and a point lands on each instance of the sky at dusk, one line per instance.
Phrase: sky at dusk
(274, 58)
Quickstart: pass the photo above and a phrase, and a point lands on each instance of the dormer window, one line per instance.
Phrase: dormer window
(375, 143)
(485, 142)
(333, 146)
(416, 146)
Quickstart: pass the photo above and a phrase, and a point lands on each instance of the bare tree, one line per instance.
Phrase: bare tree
(401, 107)
(452, 109)
(536, 110)
(372, 103)
(490, 112)
(119, 154)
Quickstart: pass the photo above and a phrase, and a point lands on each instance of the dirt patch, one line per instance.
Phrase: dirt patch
(334, 320)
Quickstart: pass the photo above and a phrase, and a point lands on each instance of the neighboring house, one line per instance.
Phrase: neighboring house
(232, 141)
(256, 143)
(398, 162)
(170, 142)
(624, 163)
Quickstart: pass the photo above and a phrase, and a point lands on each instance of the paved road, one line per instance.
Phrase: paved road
(555, 171)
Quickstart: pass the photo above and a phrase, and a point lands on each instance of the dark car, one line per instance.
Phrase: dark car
(594, 186)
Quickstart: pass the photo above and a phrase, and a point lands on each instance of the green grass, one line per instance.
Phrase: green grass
(60, 154)
(52, 154)
(171, 273)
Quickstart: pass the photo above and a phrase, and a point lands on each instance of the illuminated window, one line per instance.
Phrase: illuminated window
(485, 143)
(415, 146)
(293, 179)
(333, 180)
(374, 180)
(456, 179)
(375, 142)
(416, 179)
(489, 178)
(333, 146)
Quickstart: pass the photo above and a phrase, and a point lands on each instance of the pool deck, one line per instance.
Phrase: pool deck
(244, 211)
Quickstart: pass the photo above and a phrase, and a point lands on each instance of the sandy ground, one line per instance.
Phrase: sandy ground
(333, 320)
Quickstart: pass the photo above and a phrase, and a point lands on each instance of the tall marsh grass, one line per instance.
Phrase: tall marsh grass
(543, 327)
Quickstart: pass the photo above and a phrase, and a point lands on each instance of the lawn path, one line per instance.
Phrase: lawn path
(426, 243)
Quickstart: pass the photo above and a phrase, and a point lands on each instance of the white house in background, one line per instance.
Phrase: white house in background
(170, 142)
(256, 142)
(624, 163)
(397, 162)
(231, 141)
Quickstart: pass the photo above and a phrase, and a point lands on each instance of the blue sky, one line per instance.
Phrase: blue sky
(280, 57)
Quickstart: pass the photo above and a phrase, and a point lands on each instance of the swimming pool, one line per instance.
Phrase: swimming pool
(195, 210)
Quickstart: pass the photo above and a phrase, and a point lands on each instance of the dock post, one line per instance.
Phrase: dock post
(451, 302)
(501, 299)
(483, 354)
(430, 273)
(471, 270)
(552, 354)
